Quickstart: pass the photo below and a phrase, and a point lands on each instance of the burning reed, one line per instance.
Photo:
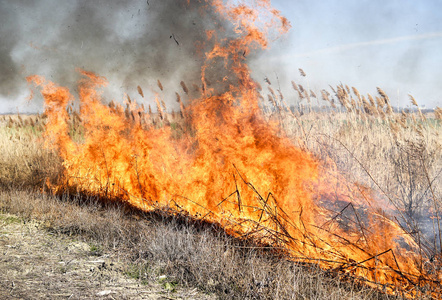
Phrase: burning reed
(231, 167)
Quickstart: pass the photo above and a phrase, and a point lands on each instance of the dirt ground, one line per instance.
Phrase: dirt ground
(37, 264)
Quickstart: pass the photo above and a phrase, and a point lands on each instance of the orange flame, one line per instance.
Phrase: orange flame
(232, 167)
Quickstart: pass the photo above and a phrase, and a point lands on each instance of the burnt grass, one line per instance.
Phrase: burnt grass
(188, 252)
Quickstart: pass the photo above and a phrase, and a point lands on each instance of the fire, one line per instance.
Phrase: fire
(231, 166)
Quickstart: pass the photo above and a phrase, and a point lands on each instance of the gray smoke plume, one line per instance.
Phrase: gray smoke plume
(131, 42)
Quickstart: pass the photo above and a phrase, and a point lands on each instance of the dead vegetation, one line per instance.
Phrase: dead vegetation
(40, 264)
(397, 154)
(177, 251)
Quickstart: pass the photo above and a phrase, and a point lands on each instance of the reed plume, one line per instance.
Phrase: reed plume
(301, 71)
(184, 87)
(295, 86)
(413, 101)
(160, 85)
(325, 95)
(384, 96)
(438, 113)
(266, 79)
(140, 91)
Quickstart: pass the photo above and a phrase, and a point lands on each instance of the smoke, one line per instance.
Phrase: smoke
(136, 42)
(131, 42)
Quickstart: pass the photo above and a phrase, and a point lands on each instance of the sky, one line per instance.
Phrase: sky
(392, 44)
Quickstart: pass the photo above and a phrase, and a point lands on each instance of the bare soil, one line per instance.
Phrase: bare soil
(38, 264)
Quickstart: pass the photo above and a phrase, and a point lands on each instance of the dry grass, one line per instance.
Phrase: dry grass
(188, 253)
(24, 163)
(152, 244)
(395, 154)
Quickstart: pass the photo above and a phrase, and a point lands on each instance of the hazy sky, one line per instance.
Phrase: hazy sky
(393, 44)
